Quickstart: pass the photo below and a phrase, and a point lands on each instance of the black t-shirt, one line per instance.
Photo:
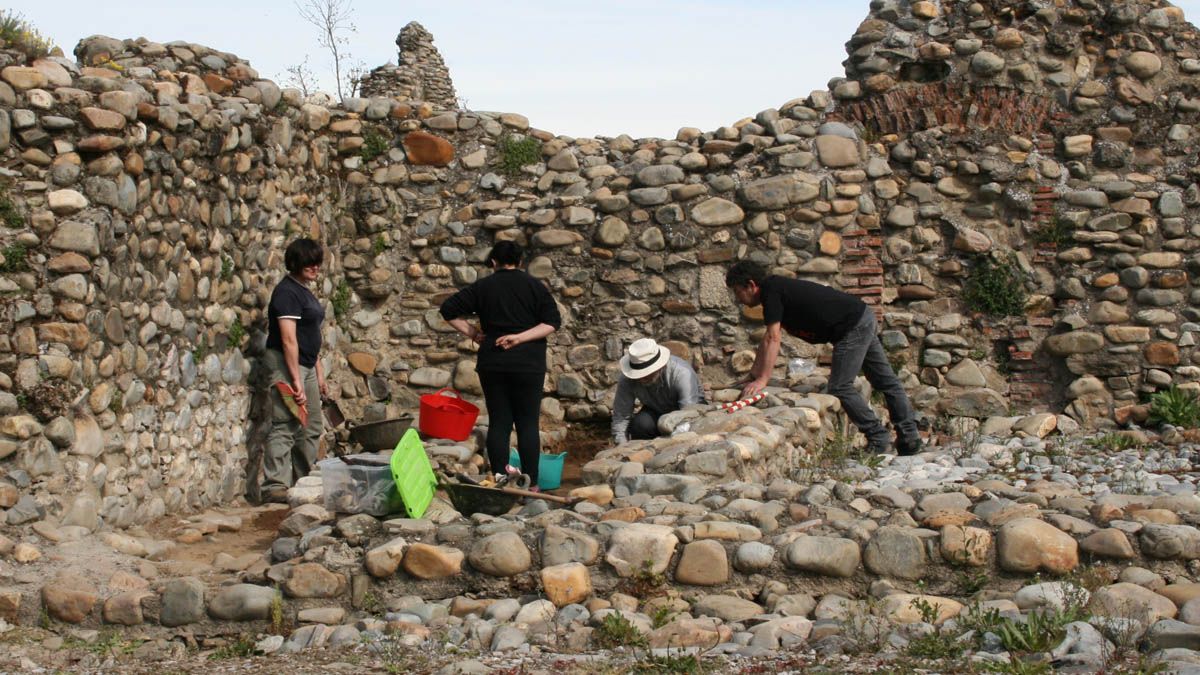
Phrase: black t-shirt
(292, 300)
(507, 301)
(812, 312)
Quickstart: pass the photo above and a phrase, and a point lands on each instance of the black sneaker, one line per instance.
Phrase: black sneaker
(277, 495)
(909, 446)
(881, 448)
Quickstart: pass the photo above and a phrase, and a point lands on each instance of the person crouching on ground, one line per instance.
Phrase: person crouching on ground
(516, 313)
(662, 383)
(817, 313)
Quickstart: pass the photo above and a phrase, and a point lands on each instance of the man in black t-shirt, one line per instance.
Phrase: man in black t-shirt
(816, 313)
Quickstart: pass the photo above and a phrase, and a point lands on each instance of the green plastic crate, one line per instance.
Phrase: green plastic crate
(413, 474)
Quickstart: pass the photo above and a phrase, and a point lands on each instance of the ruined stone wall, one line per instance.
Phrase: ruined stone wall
(1064, 134)
(421, 74)
(158, 184)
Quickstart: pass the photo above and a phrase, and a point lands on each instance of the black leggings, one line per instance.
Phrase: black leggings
(513, 399)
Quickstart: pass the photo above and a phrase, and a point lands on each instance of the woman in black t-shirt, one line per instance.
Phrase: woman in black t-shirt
(516, 313)
(293, 345)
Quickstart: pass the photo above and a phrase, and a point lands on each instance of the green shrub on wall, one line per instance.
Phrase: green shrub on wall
(374, 144)
(996, 287)
(516, 152)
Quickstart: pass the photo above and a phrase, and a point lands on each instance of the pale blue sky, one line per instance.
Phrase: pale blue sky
(576, 68)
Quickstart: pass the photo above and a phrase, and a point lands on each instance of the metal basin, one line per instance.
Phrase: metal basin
(382, 435)
(471, 499)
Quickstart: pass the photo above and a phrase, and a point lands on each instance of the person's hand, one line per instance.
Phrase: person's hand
(323, 386)
(508, 341)
(298, 393)
(476, 336)
(753, 387)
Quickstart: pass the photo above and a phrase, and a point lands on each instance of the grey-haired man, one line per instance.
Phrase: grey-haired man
(661, 382)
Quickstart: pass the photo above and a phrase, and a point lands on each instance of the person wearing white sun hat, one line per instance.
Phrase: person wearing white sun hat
(661, 382)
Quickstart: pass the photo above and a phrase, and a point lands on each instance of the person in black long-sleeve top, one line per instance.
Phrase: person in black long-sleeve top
(516, 313)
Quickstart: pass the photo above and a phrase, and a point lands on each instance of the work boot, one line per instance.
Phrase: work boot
(909, 446)
(275, 495)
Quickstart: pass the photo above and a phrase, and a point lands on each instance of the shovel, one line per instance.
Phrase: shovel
(517, 492)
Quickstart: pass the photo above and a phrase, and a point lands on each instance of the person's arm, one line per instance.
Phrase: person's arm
(687, 387)
(467, 328)
(321, 385)
(764, 361)
(536, 333)
(622, 411)
(291, 357)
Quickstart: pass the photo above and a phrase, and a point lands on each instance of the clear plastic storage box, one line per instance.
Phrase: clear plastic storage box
(360, 484)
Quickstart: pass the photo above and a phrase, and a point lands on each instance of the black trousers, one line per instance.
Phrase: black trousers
(644, 425)
(513, 399)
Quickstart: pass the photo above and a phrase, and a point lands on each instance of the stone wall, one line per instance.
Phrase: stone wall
(158, 184)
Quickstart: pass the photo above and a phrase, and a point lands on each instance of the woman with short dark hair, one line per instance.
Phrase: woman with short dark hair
(516, 313)
(294, 319)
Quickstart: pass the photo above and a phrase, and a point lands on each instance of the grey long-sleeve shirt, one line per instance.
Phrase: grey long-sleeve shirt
(676, 388)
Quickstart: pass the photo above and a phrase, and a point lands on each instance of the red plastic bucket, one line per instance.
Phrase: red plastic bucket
(445, 416)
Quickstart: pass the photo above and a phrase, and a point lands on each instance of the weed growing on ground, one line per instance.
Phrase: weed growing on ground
(241, 648)
(278, 625)
(617, 631)
(829, 458)
(864, 631)
(16, 258)
(935, 646)
(670, 664)
(107, 644)
(662, 616)
(645, 582)
(1016, 666)
(1113, 442)
(399, 659)
(370, 603)
(927, 610)
(226, 268)
(971, 581)
(1175, 406)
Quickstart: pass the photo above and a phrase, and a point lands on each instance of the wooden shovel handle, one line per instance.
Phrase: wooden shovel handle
(537, 495)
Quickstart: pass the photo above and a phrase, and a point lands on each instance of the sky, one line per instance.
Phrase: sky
(581, 68)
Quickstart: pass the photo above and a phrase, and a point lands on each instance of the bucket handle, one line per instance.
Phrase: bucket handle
(443, 390)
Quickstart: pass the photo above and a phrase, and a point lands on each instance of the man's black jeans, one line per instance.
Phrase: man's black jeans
(860, 350)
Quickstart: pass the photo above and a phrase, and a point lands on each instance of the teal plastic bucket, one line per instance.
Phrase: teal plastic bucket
(550, 468)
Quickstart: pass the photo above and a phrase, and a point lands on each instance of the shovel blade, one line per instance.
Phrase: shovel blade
(333, 413)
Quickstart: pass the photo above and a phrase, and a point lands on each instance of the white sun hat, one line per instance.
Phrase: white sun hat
(644, 357)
